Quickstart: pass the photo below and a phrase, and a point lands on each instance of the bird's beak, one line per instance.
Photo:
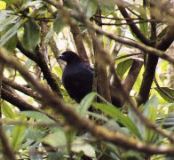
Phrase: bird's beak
(59, 57)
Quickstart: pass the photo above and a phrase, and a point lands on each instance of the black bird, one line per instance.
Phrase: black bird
(77, 76)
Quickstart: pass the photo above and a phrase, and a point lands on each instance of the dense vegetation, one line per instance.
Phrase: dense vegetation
(129, 45)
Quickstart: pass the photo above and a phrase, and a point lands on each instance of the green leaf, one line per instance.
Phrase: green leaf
(80, 145)
(86, 103)
(11, 43)
(56, 139)
(40, 117)
(35, 134)
(163, 90)
(167, 121)
(115, 113)
(89, 6)
(26, 4)
(107, 6)
(144, 25)
(7, 23)
(123, 66)
(6, 20)
(56, 156)
(18, 134)
(29, 63)
(150, 111)
(9, 2)
(58, 24)
(132, 155)
(2, 5)
(31, 35)
(11, 32)
(8, 111)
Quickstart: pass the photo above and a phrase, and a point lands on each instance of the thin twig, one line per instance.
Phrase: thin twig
(106, 59)
(6, 148)
(78, 122)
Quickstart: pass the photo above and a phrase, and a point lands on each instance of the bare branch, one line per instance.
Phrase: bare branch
(23, 89)
(81, 123)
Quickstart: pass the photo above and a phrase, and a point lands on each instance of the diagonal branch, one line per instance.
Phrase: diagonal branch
(23, 89)
(38, 58)
(133, 26)
(151, 66)
(80, 123)
(6, 148)
(79, 42)
(132, 75)
(15, 100)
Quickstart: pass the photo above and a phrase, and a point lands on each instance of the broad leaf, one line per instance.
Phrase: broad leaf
(40, 117)
(166, 93)
(58, 24)
(90, 7)
(56, 139)
(31, 35)
(86, 103)
(123, 66)
(11, 32)
(115, 113)
(18, 135)
(8, 111)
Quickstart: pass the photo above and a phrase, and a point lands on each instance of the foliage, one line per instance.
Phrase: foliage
(35, 32)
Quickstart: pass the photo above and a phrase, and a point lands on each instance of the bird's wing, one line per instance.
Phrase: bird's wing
(78, 82)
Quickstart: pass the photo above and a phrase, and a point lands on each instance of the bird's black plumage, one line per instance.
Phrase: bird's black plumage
(77, 76)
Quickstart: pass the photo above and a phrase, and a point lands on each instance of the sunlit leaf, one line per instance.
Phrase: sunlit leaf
(79, 145)
(151, 114)
(40, 117)
(118, 116)
(86, 103)
(123, 66)
(89, 7)
(12, 31)
(11, 43)
(2, 5)
(58, 24)
(13, 2)
(31, 35)
(107, 6)
(150, 111)
(8, 111)
(166, 93)
(56, 139)
(18, 135)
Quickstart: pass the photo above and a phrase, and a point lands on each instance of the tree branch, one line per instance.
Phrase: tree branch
(39, 59)
(23, 89)
(80, 123)
(79, 42)
(6, 148)
(132, 75)
(15, 100)
(152, 61)
(133, 26)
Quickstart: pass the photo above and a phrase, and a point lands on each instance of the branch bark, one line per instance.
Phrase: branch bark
(80, 123)
(79, 42)
(152, 61)
(16, 100)
(133, 26)
(39, 59)
(23, 89)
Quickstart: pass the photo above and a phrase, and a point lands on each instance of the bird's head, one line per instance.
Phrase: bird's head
(70, 57)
